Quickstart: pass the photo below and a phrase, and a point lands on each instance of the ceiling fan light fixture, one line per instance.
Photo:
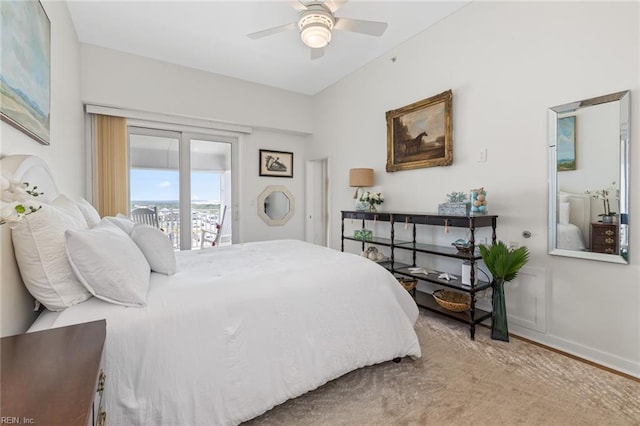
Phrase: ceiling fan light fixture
(316, 23)
(315, 35)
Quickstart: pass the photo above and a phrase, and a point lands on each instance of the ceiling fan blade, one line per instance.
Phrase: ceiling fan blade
(335, 4)
(272, 31)
(317, 53)
(299, 5)
(373, 28)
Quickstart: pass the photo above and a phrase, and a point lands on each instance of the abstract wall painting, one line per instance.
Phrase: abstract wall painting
(25, 75)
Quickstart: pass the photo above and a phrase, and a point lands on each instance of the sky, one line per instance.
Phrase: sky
(163, 185)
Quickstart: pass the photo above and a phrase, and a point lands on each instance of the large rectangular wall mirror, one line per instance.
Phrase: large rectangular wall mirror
(589, 178)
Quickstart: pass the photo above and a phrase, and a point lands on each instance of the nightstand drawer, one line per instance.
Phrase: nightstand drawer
(604, 238)
(43, 368)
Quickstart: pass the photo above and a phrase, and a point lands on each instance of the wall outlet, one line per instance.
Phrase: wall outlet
(482, 155)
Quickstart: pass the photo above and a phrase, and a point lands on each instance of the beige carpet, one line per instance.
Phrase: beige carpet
(464, 382)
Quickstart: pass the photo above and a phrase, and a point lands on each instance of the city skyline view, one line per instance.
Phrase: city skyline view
(163, 185)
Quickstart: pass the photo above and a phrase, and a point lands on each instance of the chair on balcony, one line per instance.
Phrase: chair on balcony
(146, 215)
(213, 235)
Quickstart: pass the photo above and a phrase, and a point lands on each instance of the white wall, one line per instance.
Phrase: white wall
(507, 63)
(65, 155)
(281, 119)
(252, 227)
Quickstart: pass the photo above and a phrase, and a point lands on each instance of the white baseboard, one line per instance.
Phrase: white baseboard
(526, 298)
(614, 362)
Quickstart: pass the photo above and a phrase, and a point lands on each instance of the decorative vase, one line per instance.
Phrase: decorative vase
(362, 206)
(499, 327)
(372, 208)
(478, 201)
(607, 219)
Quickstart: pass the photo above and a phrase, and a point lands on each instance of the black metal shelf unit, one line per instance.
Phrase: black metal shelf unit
(473, 316)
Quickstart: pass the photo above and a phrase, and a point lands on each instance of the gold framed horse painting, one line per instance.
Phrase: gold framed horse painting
(419, 134)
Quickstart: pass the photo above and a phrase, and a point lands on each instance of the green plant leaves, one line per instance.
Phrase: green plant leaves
(504, 263)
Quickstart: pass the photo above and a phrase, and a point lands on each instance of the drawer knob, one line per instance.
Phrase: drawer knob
(609, 240)
(101, 380)
(609, 232)
(609, 250)
(102, 418)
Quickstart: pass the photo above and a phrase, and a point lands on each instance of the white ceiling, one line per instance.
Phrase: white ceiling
(212, 36)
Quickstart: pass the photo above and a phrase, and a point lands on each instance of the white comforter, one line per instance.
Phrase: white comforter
(240, 329)
(569, 237)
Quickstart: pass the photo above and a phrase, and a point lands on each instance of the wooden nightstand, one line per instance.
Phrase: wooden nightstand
(604, 237)
(51, 376)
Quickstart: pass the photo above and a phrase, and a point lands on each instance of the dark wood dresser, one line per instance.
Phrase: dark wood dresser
(51, 377)
(604, 237)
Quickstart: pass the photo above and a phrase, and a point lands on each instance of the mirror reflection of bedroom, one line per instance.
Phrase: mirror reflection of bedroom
(588, 164)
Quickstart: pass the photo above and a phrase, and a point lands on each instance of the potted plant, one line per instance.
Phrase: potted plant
(372, 198)
(504, 264)
(605, 195)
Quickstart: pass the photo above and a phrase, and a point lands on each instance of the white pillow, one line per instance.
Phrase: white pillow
(564, 211)
(89, 212)
(63, 203)
(156, 247)
(563, 196)
(122, 222)
(109, 264)
(38, 242)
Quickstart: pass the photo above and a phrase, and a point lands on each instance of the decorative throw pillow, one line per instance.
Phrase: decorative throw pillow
(109, 264)
(38, 241)
(563, 196)
(156, 247)
(89, 212)
(62, 202)
(122, 222)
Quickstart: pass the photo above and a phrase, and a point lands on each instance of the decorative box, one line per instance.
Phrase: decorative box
(454, 209)
(363, 234)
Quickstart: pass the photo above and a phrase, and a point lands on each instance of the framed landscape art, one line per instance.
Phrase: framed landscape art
(419, 134)
(276, 163)
(566, 143)
(25, 75)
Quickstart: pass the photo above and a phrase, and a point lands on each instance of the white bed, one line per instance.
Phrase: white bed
(237, 330)
(574, 221)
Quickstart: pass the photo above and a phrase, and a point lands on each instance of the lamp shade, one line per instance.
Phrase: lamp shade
(361, 177)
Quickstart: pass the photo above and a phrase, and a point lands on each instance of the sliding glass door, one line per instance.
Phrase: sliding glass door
(185, 179)
(210, 192)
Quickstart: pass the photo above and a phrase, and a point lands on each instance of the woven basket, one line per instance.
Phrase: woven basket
(452, 300)
(408, 283)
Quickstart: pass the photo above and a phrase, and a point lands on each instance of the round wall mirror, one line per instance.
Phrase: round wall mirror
(276, 205)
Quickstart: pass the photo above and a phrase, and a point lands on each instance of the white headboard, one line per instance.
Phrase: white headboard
(16, 304)
(32, 169)
(579, 212)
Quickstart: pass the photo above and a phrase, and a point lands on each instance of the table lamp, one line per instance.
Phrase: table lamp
(360, 178)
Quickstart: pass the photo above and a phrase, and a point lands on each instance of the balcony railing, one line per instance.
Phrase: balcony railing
(201, 218)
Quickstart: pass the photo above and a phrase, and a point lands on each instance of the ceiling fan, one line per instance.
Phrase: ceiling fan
(315, 22)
